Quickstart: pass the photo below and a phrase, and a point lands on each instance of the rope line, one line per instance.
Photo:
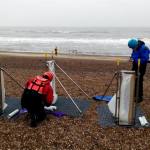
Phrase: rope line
(73, 81)
(68, 94)
(13, 78)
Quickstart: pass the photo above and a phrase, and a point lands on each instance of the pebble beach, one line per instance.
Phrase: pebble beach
(93, 75)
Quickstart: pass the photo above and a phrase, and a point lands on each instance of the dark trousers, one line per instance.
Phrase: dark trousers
(32, 101)
(142, 71)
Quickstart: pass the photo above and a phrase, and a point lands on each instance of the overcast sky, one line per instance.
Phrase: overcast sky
(75, 13)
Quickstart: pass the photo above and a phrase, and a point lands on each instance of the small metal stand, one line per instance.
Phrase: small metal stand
(132, 105)
(2, 88)
(119, 79)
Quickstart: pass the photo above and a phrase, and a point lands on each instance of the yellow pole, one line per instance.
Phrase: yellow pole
(137, 88)
(46, 55)
(118, 63)
(139, 63)
(52, 54)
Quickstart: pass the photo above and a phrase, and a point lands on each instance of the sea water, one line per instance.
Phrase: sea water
(109, 41)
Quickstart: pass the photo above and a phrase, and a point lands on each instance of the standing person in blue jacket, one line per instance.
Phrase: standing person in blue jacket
(140, 51)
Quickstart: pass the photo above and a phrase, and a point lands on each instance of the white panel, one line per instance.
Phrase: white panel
(51, 66)
(3, 104)
(124, 107)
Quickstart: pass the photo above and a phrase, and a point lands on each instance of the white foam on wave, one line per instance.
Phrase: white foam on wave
(61, 32)
(108, 41)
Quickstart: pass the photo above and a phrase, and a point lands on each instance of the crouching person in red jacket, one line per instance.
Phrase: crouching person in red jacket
(37, 94)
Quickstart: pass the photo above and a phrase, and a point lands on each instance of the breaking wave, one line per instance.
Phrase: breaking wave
(20, 40)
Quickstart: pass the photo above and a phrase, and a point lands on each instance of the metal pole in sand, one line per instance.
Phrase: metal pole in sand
(117, 107)
(108, 86)
(1, 91)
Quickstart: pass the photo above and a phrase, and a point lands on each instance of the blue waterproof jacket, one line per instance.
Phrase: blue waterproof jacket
(142, 53)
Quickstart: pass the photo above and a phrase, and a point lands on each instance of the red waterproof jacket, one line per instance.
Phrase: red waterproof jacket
(42, 86)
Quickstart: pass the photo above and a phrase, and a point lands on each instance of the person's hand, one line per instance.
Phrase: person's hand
(130, 59)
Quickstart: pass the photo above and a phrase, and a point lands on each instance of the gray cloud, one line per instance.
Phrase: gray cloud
(75, 13)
